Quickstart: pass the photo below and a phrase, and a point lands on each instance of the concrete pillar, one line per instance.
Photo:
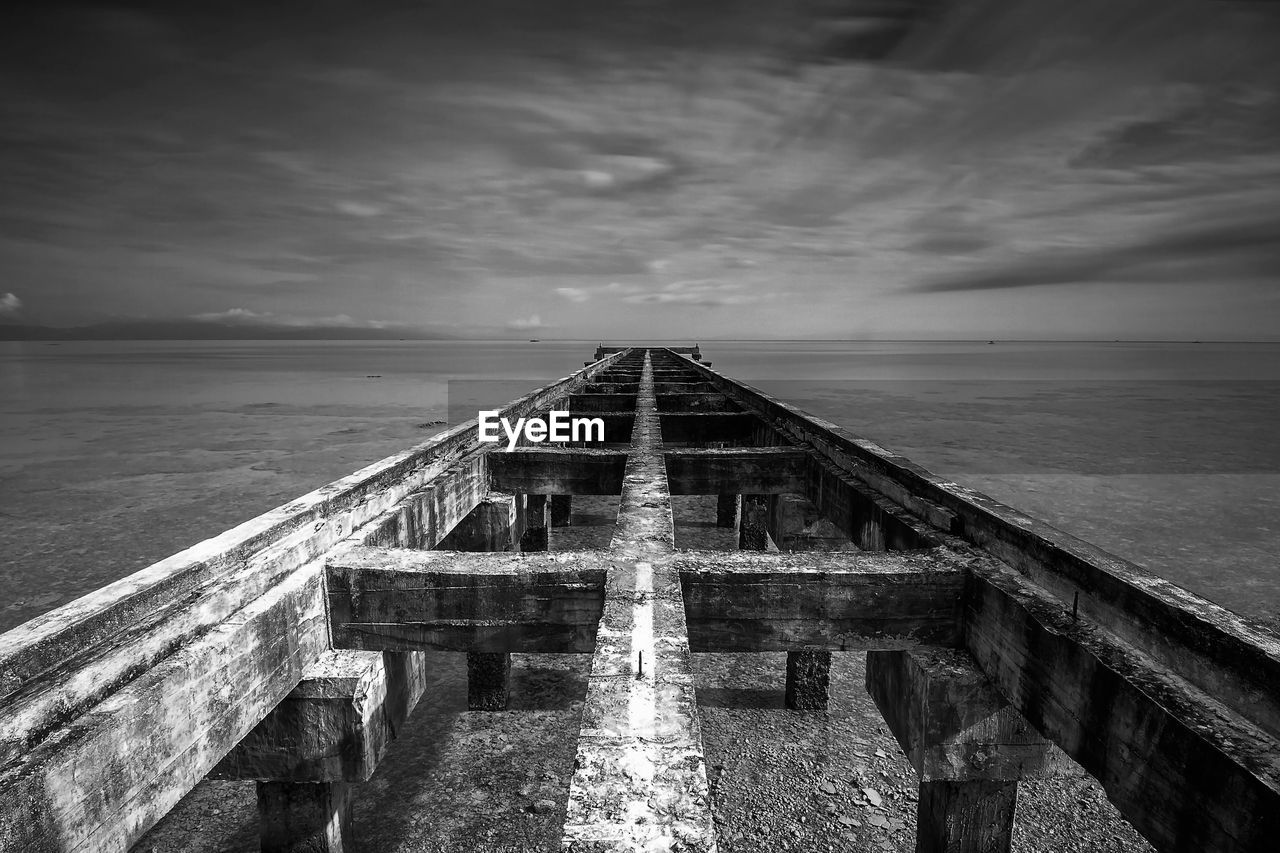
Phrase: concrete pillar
(561, 510)
(488, 676)
(305, 817)
(965, 817)
(536, 530)
(808, 677)
(494, 525)
(758, 512)
(728, 509)
(968, 745)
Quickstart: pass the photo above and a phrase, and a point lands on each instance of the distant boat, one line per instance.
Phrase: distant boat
(533, 340)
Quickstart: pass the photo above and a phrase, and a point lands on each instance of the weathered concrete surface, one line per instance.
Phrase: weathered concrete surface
(951, 722)
(403, 600)
(735, 470)
(1186, 770)
(488, 677)
(728, 511)
(561, 510)
(808, 677)
(838, 601)
(101, 779)
(756, 525)
(640, 782)
(493, 524)
(429, 514)
(965, 817)
(305, 817)
(559, 471)
(336, 724)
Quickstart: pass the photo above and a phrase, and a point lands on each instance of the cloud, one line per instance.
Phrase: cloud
(1243, 248)
(703, 292)
(10, 304)
(573, 294)
(533, 321)
(358, 208)
(245, 317)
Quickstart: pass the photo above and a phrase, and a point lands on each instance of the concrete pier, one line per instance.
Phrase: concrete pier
(289, 650)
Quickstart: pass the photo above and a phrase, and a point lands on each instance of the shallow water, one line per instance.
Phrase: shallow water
(117, 454)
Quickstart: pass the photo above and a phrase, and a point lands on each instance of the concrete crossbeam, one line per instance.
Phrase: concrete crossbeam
(839, 601)
(404, 600)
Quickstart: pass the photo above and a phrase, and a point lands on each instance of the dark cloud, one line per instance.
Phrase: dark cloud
(1201, 252)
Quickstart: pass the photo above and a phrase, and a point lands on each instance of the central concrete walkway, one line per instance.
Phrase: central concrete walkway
(640, 780)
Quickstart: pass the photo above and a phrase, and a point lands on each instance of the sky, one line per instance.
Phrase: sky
(648, 168)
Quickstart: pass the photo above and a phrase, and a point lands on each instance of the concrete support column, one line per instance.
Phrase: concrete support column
(494, 525)
(968, 746)
(965, 817)
(536, 529)
(728, 510)
(561, 510)
(753, 530)
(488, 677)
(808, 677)
(305, 817)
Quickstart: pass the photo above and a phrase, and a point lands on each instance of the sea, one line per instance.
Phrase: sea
(116, 454)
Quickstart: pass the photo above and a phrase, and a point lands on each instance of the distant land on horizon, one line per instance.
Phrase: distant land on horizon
(158, 330)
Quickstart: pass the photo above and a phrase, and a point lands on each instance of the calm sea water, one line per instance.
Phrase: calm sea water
(116, 454)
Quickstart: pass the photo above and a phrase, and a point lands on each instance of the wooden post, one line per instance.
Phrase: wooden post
(561, 510)
(728, 510)
(808, 677)
(305, 817)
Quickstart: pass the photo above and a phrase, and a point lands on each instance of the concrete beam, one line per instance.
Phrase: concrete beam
(403, 600)
(428, 515)
(736, 470)
(1189, 773)
(590, 471)
(871, 521)
(840, 601)
(677, 401)
(558, 471)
